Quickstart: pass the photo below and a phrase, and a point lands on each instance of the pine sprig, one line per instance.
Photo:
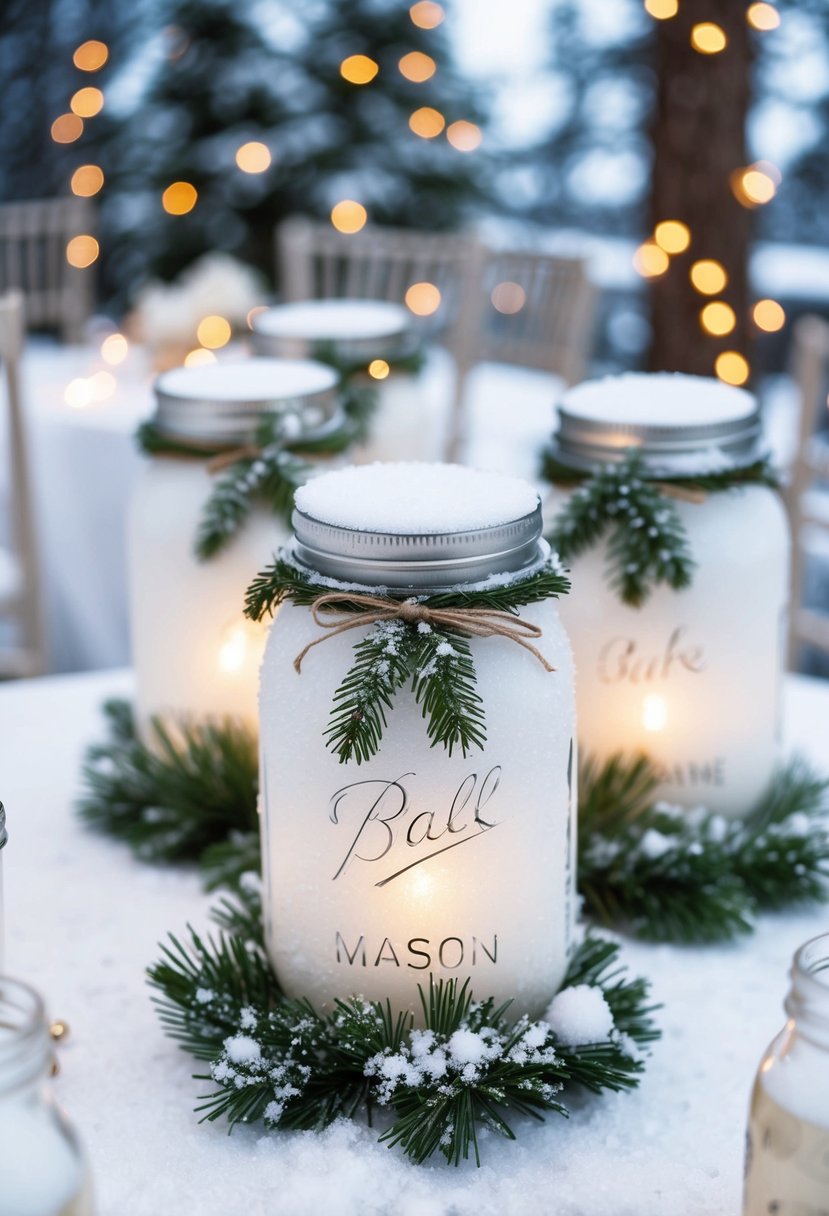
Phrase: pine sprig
(280, 1061)
(175, 794)
(382, 665)
(436, 663)
(670, 874)
(647, 544)
(444, 685)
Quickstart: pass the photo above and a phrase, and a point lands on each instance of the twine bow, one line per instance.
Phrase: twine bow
(328, 613)
(248, 451)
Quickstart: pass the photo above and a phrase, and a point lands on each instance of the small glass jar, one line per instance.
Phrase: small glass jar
(366, 339)
(787, 1149)
(42, 1168)
(418, 862)
(4, 836)
(692, 677)
(195, 654)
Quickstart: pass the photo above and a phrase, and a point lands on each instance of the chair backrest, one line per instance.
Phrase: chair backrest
(539, 312)
(33, 240)
(314, 261)
(809, 508)
(27, 655)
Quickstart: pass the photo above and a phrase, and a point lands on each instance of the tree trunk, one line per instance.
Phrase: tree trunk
(698, 139)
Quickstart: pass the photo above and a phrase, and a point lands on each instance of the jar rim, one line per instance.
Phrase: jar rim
(224, 403)
(338, 524)
(356, 330)
(708, 427)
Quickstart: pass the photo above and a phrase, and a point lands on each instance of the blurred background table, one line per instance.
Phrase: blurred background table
(83, 920)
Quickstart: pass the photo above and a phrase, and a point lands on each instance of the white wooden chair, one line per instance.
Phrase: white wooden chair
(23, 653)
(33, 240)
(808, 504)
(538, 314)
(314, 261)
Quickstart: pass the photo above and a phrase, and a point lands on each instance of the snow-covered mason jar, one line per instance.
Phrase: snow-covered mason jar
(787, 1148)
(692, 677)
(373, 342)
(42, 1169)
(418, 862)
(194, 653)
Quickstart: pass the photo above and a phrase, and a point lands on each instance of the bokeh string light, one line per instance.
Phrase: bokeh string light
(464, 136)
(91, 56)
(86, 181)
(179, 198)
(359, 69)
(662, 10)
(426, 15)
(427, 122)
(423, 299)
(348, 216)
(417, 67)
(253, 157)
(87, 102)
(763, 16)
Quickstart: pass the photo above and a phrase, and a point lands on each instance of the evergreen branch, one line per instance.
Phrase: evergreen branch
(271, 479)
(445, 686)
(647, 543)
(693, 876)
(283, 580)
(382, 665)
(172, 796)
(279, 1061)
(440, 665)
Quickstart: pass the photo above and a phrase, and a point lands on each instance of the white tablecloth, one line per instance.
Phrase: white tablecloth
(83, 921)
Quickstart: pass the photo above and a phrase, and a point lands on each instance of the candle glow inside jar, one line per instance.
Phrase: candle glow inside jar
(374, 340)
(43, 1169)
(691, 677)
(417, 862)
(195, 654)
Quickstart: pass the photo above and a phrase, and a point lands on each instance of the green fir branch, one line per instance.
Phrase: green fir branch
(175, 793)
(647, 545)
(382, 665)
(436, 663)
(445, 687)
(670, 874)
(279, 1061)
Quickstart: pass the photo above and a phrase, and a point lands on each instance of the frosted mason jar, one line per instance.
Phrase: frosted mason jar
(194, 653)
(366, 338)
(692, 677)
(42, 1168)
(418, 863)
(787, 1148)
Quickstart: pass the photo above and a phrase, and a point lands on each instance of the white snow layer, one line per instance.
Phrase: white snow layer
(580, 1015)
(658, 399)
(412, 498)
(248, 380)
(334, 319)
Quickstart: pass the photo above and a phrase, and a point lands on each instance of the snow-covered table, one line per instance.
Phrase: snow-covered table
(83, 920)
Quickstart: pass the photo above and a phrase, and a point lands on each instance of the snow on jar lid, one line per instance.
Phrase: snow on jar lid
(418, 526)
(224, 402)
(682, 425)
(355, 328)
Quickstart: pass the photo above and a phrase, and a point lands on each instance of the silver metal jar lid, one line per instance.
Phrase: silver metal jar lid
(4, 836)
(224, 402)
(417, 527)
(681, 425)
(356, 329)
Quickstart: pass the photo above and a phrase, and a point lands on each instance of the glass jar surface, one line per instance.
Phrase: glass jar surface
(4, 836)
(787, 1148)
(692, 677)
(194, 652)
(418, 863)
(43, 1172)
